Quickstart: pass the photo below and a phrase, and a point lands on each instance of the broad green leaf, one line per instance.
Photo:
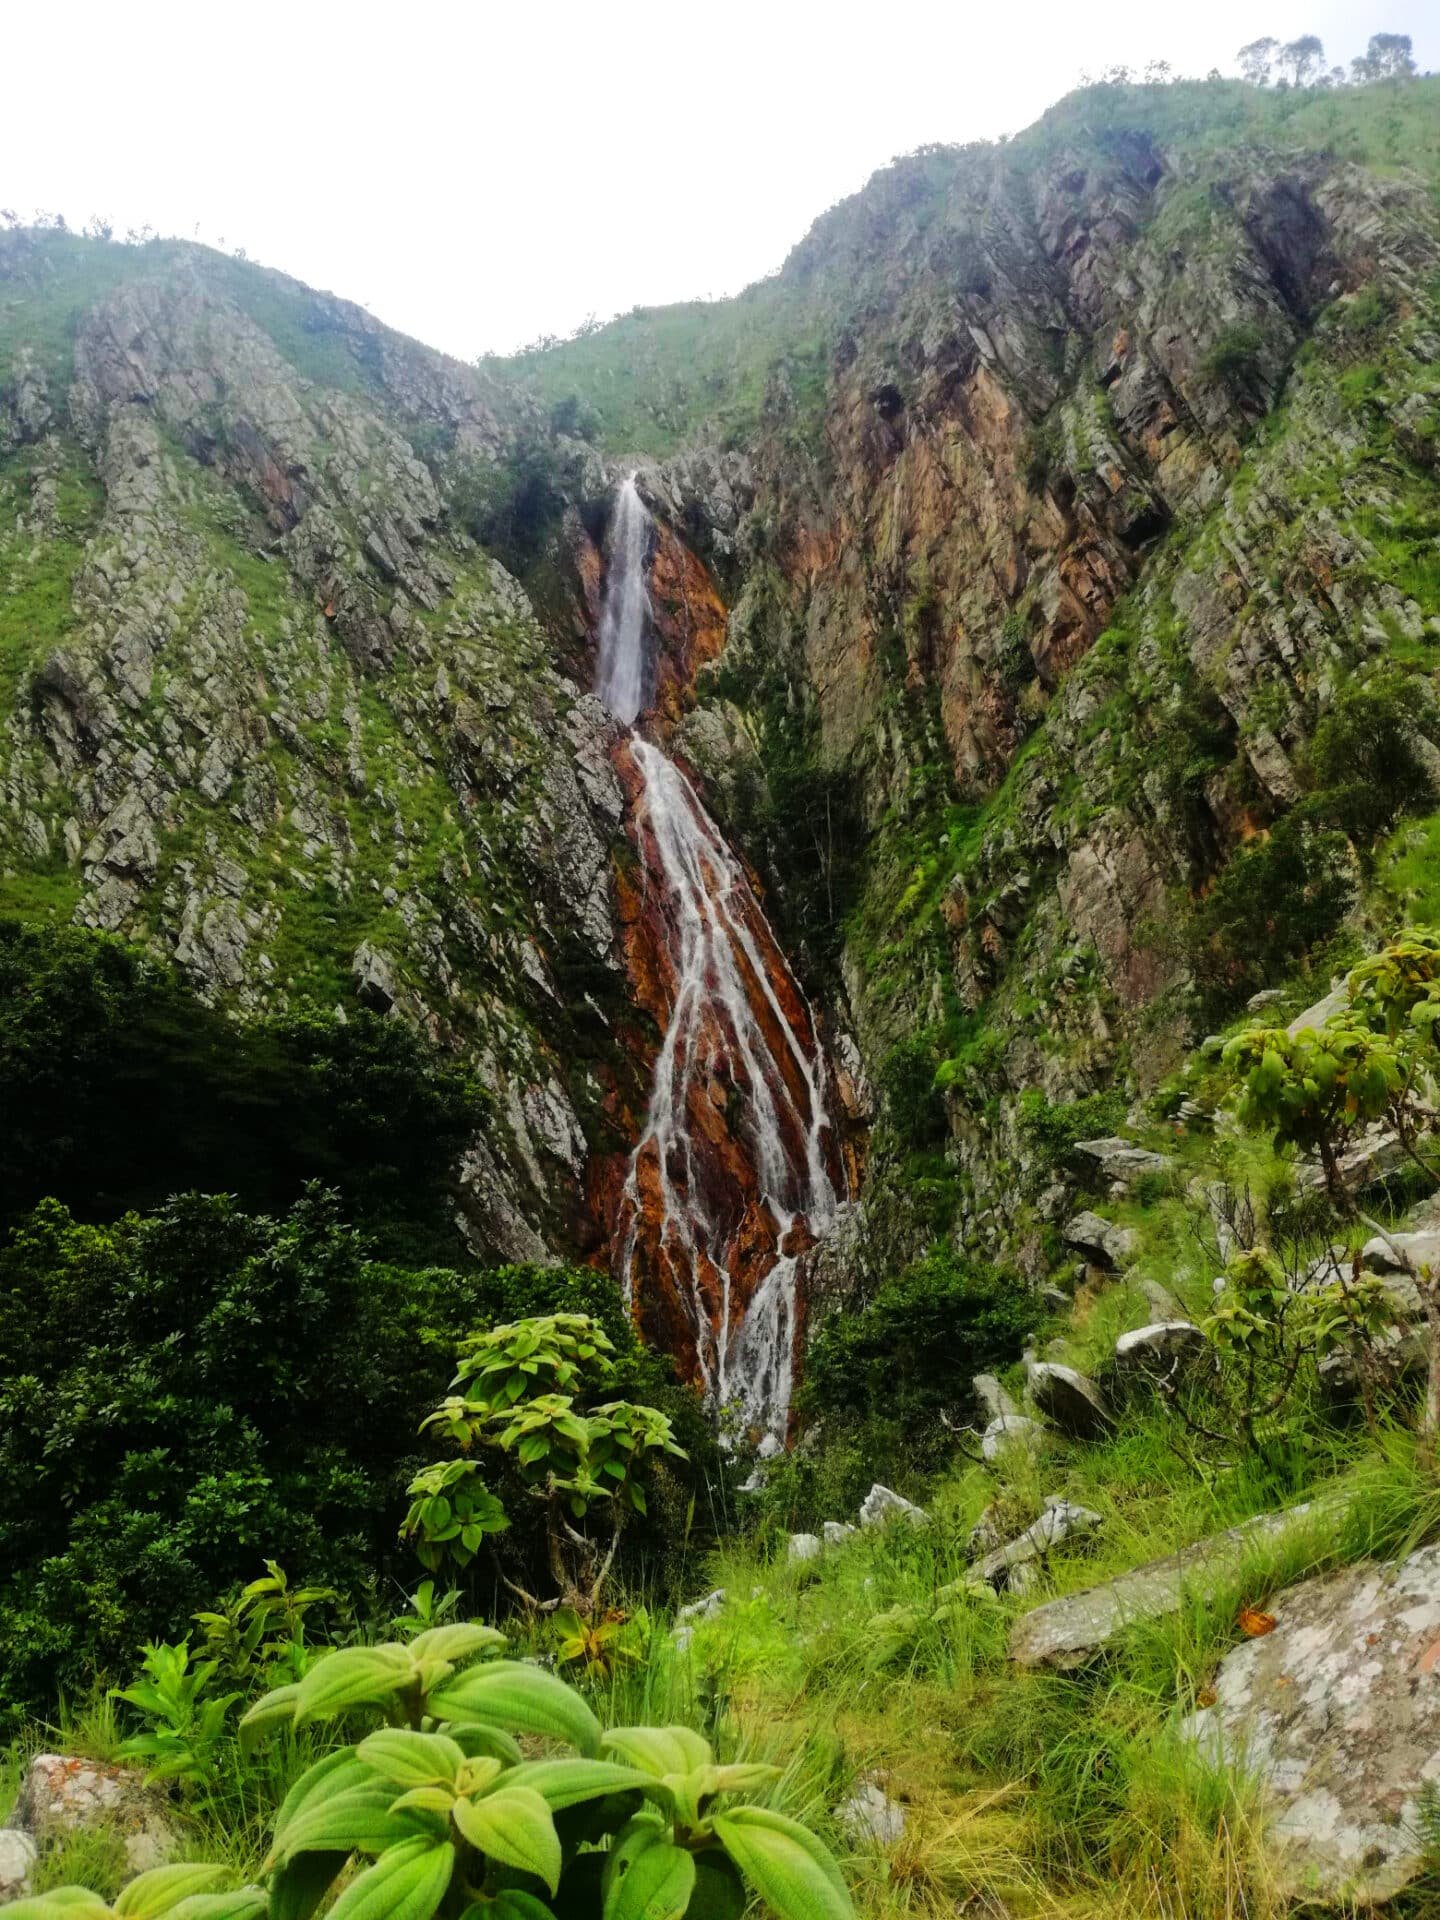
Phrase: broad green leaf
(425, 1800)
(65, 1903)
(719, 1891)
(407, 1883)
(334, 1774)
(155, 1892)
(658, 1750)
(244, 1903)
(650, 1882)
(298, 1887)
(564, 1783)
(360, 1820)
(745, 1776)
(411, 1759)
(477, 1740)
(513, 1825)
(462, 1641)
(520, 1698)
(511, 1903)
(352, 1677)
(787, 1866)
(276, 1708)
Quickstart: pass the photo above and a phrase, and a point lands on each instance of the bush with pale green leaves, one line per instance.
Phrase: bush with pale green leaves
(438, 1812)
(524, 1391)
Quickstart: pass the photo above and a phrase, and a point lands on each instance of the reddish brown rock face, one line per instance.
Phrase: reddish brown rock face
(736, 1158)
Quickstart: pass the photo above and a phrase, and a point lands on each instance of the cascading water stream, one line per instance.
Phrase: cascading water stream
(740, 1069)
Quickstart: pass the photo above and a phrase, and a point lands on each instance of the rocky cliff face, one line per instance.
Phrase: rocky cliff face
(1089, 474)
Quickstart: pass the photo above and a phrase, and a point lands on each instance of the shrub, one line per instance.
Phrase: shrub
(907, 1357)
(1269, 906)
(185, 1393)
(1362, 759)
(913, 1104)
(1235, 356)
(1051, 1129)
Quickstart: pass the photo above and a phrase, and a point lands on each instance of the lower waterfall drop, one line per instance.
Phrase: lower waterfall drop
(740, 1072)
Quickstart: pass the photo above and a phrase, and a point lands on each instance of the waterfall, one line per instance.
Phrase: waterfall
(740, 1071)
(620, 679)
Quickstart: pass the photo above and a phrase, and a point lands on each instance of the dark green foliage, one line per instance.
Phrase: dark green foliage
(1274, 901)
(186, 1394)
(1235, 356)
(118, 1088)
(887, 1371)
(1363, 760)
(1051, 1129)
(511, 505)
(913, 1105)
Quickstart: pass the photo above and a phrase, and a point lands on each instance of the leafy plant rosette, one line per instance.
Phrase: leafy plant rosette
(438, 1811)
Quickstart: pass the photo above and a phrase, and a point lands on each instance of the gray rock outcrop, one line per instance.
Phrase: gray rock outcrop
(882, 1505)
(1337, 1713)
(1099, 1240)
(1062, 1520)
(61, 1794)
(1069, 1631)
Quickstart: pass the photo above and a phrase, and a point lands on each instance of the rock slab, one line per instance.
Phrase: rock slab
(1337, 1714)
(1067, 1632)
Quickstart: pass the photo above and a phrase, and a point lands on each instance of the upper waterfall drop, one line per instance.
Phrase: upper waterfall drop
(737, 1167)
(620, 677)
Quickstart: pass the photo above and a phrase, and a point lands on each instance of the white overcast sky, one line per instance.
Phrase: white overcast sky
(480, 173)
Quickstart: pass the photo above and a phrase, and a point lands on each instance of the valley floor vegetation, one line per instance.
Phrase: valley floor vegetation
(380, 1571)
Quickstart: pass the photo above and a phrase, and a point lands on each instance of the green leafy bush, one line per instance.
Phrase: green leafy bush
(1362, 759)
(444, 1814)
(913, 1104)
(1269, 906)
(522, 1392)
(186, 1393)
(1051, 1128)
(891, 1368)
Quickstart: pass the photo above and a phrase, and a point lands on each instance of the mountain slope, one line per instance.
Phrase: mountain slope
(1052, 531)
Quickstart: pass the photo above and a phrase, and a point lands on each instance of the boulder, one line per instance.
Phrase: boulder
(1069, 1401)
(18, 1854)
(1067, 1632)
(61, 1794)
(837, 1532)
(1376, 1155)
(1410, 1253)
(1337, 1713)
(1121, 1161)
(803, 1546)
(871, 1815)
(1010, 1430)
(1161, 1350)
(881, 1505)
(703, 1609)
(1161, 1302)
(1099, 1240)
(1061, 1520)
(1398, 1357)
(992, 1396)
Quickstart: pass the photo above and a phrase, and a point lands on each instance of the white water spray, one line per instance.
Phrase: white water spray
(739, 1039)
(620, 679)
